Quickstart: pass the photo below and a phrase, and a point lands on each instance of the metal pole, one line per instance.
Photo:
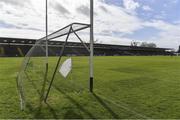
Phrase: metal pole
(81, 41)
(46, 61)
(91, 45)
(57, 65)
(47, 32)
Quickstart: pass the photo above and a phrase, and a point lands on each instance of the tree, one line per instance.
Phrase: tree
(134, 43)
(150, 45)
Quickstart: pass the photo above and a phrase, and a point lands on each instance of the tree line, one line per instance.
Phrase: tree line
(144, 44)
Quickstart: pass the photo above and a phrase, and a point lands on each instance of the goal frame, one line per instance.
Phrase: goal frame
(71, 31)
(46, 40)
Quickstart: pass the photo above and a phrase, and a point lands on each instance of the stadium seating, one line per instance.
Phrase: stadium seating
(16, 47)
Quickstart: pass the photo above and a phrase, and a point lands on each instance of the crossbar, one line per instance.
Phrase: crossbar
(50, 36)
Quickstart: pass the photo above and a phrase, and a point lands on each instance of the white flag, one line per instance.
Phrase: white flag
(66, 67)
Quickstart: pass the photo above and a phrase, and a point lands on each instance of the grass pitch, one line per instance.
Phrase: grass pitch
(125, 87)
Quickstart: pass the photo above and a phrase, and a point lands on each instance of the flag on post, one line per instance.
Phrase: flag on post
(66, 67)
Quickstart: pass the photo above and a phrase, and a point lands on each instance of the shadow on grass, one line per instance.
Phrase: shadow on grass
(52, 111)
(69, 114)
(115, 116)
(37, 112)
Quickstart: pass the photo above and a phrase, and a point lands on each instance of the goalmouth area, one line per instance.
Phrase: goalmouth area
(125, 87)
(75, 66)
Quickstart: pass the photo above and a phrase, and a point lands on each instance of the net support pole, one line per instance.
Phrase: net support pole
(57, 65)
(91, 81)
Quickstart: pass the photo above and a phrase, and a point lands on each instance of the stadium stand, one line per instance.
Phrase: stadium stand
(178, 50)
(18, 47)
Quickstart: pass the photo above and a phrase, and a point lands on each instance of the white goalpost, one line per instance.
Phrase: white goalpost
(36, 68)
(91, 44)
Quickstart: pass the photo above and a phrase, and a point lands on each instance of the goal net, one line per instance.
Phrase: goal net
(66, 71)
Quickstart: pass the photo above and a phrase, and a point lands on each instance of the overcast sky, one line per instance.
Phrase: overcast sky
(116, 21)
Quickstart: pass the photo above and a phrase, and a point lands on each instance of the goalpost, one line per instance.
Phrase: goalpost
(91, 44)
(38, 74)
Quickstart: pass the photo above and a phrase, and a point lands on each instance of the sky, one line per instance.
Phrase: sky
(116, 21)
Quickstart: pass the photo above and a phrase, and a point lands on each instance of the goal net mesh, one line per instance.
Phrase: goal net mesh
(31, 81)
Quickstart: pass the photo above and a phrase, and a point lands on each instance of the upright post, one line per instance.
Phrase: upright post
(47, 38)
(46, 58)
(47, 32)
(91, 45)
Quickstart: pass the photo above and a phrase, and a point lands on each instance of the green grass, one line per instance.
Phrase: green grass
(125, 87)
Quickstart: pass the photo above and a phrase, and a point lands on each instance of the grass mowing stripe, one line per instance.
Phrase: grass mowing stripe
(150, 85)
